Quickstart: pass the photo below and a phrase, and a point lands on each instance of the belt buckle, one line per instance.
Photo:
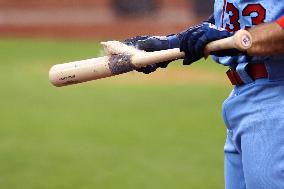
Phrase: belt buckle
(234, 77)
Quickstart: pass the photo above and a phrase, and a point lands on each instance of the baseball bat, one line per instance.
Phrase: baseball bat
(107, 66)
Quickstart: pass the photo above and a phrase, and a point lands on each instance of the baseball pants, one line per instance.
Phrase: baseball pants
(254, 148)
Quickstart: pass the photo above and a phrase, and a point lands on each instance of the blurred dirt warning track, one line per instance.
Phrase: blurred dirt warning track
(94, 19)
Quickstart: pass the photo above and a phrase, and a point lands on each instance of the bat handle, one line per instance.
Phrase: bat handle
(148, 58)
(242, 40)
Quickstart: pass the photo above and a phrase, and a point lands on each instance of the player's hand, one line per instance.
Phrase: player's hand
(153, 43)
(195, 39)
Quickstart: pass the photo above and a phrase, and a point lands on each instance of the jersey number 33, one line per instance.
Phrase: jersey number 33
(256, 12)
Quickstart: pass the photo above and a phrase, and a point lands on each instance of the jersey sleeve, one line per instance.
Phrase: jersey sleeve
(280, 21)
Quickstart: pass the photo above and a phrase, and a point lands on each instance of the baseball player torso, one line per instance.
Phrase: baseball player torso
(243, 14)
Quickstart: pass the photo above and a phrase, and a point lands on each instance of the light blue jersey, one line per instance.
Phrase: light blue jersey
(243, 14)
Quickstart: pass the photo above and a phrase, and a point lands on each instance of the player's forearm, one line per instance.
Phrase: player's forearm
(268, 39)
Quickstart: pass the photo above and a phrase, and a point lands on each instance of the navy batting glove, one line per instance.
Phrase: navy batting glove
(153, 43)
(195, 39)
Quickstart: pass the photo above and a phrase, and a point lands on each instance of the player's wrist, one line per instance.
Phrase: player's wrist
(174, 41)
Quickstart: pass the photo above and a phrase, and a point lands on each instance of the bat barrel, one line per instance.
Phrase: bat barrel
(80, 71)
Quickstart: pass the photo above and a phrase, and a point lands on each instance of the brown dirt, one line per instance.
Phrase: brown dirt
(89, 19)
(99, 31)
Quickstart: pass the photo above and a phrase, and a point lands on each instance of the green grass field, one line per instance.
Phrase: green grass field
(105, 134)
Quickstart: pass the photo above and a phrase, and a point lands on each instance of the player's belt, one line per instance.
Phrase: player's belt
(255, 71)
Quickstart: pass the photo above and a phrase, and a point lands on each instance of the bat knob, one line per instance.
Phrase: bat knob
(243, 40)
